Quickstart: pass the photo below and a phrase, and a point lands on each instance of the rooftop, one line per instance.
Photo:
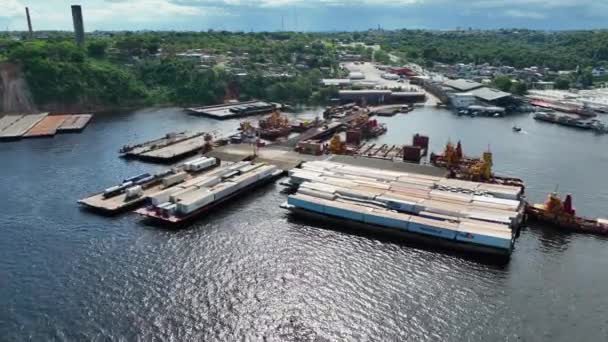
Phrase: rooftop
(489, 94)
(463, 85)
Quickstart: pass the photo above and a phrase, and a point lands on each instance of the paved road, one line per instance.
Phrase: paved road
(372, 74)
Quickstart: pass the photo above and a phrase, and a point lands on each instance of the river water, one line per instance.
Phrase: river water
(248, 272)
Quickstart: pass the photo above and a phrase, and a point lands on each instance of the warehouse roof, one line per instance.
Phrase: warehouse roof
(489, 94)
(463, 85)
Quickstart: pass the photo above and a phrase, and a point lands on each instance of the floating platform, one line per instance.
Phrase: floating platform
(198, 196)
(75, 123)
(16, 127)
(180, 149)
(47, 127)
(119, 203)
(234, 110)
(457, 212)
(171, 147)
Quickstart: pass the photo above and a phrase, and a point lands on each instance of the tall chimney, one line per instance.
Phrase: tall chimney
(78, 24)
(29, 22)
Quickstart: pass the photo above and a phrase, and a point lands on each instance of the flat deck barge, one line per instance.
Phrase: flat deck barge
(75, 123)
(47, 127)
(182, 205)
(16, 127)
(150, 184)
(483, 218)
(169, 148)
(234, 110)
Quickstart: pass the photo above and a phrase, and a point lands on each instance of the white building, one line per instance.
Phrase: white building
(462, 100)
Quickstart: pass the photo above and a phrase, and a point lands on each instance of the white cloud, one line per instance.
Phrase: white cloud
(515, 13)
(11, 8)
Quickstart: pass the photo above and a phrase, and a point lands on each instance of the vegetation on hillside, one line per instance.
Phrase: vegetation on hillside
(125, 69)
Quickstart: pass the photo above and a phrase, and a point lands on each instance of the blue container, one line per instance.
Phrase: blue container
(484, 240)
(431, 230)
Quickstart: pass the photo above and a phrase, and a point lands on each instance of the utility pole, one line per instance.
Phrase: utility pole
(29, 23)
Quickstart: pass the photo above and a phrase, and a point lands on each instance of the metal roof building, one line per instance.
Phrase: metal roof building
(463, 85)
(489, 94)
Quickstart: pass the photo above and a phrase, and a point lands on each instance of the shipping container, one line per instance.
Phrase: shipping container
(387, 219)
(134, 192)
(426, 226)
(174, 179)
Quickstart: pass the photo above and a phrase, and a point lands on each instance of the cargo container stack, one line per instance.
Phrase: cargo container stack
(192, 197)
(484, 217)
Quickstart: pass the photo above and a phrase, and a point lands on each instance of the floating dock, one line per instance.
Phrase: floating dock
(13, 127)
(16, 126)
(75, 123)
(234, 110)
(472, 216)
(47, 127)
(190, 200)
(169, 148)
(119, 198)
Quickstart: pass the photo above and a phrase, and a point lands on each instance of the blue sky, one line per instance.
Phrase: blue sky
(307, 15)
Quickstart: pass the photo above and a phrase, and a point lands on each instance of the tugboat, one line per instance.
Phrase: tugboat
(563, 215)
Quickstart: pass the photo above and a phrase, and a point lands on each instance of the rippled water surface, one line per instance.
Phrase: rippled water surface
(248, 272)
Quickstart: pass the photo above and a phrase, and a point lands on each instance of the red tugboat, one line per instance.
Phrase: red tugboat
(563, 215)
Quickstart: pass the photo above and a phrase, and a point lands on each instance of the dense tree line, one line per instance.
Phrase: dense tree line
(127, 68)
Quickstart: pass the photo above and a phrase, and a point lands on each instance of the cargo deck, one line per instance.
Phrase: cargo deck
(119, 203)
(485, 217)
(16, 127)
(47, 127)
(75, 123)
(167, 150)
(152, 214)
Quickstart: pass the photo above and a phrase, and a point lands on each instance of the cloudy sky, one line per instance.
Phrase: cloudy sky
(307, 15)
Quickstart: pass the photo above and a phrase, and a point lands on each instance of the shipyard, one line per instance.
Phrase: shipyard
(319, 171)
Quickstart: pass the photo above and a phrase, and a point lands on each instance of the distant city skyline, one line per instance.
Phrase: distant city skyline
(301, 15)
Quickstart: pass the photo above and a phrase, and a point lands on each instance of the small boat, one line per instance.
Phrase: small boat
(516, 129)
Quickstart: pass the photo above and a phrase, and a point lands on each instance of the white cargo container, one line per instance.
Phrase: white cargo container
(134, 192)
(317, 194)
(224, 189)
(208, 182)
(162, 196)
(174, 179)
(179, 193)
(193, 201)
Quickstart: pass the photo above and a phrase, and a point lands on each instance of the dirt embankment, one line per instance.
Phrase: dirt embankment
(15, 96)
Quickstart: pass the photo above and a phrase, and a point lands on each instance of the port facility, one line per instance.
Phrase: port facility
(234, 110)
(473, 216)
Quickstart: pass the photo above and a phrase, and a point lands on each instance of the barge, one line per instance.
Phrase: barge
(188, 201)
(171, 147)
(562, 120)
(134, 191)
(482, 218)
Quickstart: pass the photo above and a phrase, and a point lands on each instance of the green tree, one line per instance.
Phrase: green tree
(97, 48)
(562, 83)
(503, 83)
(519, 88)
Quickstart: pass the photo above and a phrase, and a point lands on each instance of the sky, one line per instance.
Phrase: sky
(306, 15)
